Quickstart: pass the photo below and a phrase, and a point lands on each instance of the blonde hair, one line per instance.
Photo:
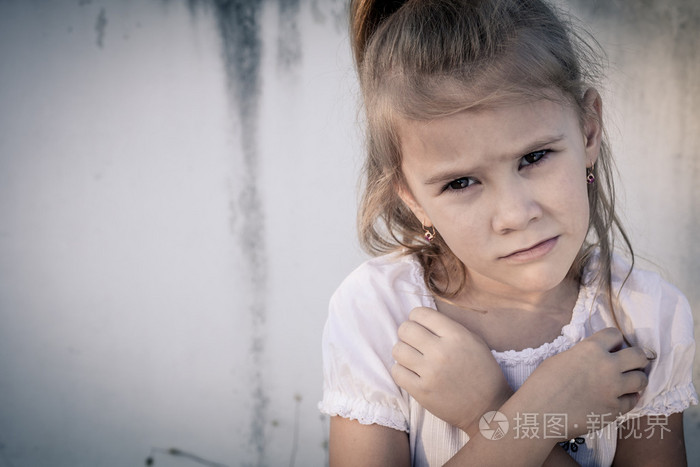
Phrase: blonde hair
(426, 59)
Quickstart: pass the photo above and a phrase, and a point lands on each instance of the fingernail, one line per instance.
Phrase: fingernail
(650, 353)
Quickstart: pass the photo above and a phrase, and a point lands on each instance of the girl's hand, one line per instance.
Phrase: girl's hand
(449, 370)
(592, 383)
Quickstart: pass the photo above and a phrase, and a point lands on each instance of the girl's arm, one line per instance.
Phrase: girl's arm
(651, 440)
(451, 373)
(455, 369)
(461, 380)
(352, 444)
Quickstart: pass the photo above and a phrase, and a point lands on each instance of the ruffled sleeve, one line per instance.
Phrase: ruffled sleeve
(364, 315)
(663, 322)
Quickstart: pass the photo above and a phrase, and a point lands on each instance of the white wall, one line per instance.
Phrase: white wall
(653, 109)
(166, 258)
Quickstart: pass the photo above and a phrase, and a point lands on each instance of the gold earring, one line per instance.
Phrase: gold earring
(590, 177)
(429, 232)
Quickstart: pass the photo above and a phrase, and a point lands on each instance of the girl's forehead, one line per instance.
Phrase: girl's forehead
(433, 96)
(522, 117)
(502, 132)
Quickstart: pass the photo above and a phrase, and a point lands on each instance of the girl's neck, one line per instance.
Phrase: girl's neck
(513, 322)
(483, 299)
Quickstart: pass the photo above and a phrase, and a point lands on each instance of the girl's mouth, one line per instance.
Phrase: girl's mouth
(534, 252)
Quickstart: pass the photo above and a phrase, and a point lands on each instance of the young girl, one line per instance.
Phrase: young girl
(498, 293)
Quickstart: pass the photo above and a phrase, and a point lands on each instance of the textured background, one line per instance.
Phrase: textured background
(177, 198)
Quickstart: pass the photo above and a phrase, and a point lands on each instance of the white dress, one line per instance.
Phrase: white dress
(368, 307)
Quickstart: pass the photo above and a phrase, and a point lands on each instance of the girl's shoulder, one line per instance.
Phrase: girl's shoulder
(637, 283)
(650, 311)
(657, 316)
(360, 331)
(393, 263)
(394, 276)
(378, 295)
(633, 281)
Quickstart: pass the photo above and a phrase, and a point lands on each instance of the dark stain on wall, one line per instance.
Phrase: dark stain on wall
(240, 28)
(337, 9)
(289, 38)
(100, 27)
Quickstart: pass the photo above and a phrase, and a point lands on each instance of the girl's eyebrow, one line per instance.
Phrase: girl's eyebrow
(452, 174)
(444, 177)
(542, 143)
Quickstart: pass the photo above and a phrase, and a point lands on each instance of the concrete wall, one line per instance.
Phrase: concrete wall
(653, 109)
(177, 197)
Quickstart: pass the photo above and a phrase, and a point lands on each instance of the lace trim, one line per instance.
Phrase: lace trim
(335, 403)
(675, 400)
(532, 356)
(570, 333)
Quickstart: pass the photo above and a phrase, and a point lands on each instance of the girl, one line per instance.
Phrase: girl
(489, 196)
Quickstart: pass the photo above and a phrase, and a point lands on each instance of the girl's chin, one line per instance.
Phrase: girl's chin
(532, 284)
(541, 280)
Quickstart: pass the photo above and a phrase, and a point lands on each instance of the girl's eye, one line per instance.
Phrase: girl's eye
(460, 183)
(533, 158)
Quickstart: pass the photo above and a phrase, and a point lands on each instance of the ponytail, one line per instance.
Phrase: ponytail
(365, 18)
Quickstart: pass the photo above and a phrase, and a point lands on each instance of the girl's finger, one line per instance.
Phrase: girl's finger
(404, 377)
(631, 358)
(415, 334)
(609, 338)
(627, 402)
(434, 321)
(407, 356)
(633, 382)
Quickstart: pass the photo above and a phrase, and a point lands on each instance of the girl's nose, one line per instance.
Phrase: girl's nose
(515, 207)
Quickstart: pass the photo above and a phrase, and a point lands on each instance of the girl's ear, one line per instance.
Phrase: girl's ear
(410, 202)
(592, 125)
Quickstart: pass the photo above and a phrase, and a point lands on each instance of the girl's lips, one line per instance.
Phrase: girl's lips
(534, 252)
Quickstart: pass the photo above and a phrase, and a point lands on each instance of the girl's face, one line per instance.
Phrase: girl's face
(506, 189)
